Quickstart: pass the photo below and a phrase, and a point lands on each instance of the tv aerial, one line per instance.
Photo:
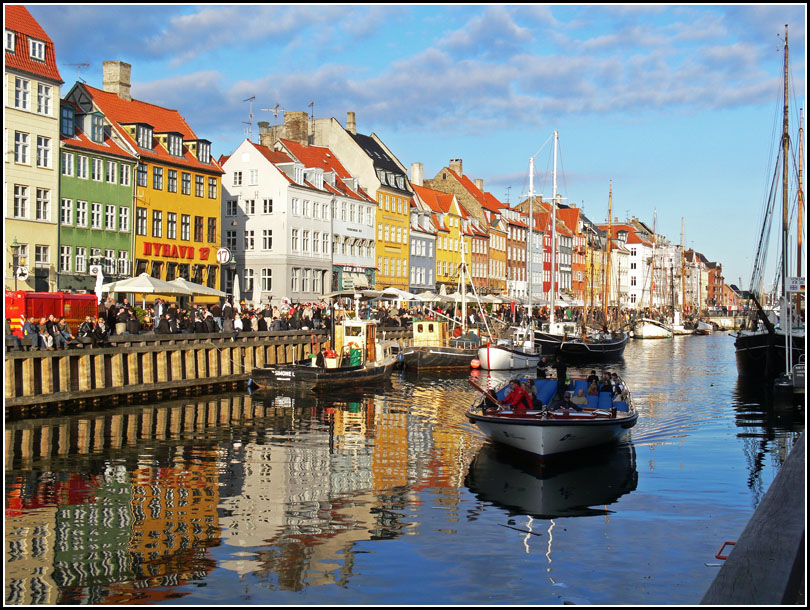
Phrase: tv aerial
(249, 122)
(79, 67)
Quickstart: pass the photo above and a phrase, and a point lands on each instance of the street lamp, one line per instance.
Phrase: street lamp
(15, 259)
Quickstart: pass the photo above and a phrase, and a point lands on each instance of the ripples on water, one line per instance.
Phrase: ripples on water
(388, 495)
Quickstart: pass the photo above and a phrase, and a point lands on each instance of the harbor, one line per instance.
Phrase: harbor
(290, 497)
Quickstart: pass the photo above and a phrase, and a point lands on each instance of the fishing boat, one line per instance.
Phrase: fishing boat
(358, 357)
(769, 346)
(553, 430)
(704, 328)
(595, 346)
(509, 354)
(434, 346)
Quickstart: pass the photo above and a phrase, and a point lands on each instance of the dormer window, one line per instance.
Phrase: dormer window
(37, 49)
(97, 128)
(11, 41)
(144, 136)
(175, 145)
(67, 126)
(204, 152)
(298, 174)
(400, 183)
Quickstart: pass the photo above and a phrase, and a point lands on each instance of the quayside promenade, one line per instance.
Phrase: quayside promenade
(148, 366)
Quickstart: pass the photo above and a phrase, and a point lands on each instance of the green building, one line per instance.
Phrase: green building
(96, 193)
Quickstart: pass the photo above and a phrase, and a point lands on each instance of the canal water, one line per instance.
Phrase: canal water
(387, 495)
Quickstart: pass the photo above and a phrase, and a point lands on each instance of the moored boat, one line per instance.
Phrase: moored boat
(646, 328)
(510, 354)
(553, 430)
(359, 357)
(601, 346)
(433, 347)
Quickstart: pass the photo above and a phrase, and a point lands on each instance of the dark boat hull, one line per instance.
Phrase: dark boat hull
(438, 357)
(546, 343)
(301, 375)
(762, 355)
(597, 351)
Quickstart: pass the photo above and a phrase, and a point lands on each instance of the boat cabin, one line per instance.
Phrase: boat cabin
(357, 335)
(437, 333)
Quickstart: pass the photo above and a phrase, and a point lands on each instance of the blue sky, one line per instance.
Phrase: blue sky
(677, 105)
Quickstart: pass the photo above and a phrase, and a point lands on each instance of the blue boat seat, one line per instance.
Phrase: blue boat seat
(580, 384)
(546, 389)
(605, 400)
(621, 405)
(593, 402)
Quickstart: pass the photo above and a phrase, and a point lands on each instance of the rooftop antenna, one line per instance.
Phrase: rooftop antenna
(312, 121)
(508, 188)
(80, 66)
(249, 122)
(275, 110)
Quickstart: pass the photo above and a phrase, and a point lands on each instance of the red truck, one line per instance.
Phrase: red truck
(73, 306)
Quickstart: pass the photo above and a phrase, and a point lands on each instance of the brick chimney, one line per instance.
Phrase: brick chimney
(296, 126)
(479, 184)
(456, 166)
(116, 79)
(417, 173)
(351, 123)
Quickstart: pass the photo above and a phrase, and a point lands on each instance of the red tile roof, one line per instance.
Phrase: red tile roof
(20, 21)
(163, 120)
(437, 201)
(108, 147)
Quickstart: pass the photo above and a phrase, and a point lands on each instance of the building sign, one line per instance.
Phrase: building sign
(153, 248)
(223, 255)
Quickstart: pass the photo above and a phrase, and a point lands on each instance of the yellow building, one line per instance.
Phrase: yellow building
(447, 214)
(177, 184)
(31, 168)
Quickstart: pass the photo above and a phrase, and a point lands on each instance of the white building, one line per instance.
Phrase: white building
(277, 223)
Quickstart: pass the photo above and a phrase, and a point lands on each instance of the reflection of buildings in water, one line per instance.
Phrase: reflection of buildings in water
(566, 488)
(30, 545)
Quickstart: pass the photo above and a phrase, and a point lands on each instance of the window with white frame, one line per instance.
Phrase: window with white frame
(43, 151)
(21, 147)
(253, 179)
(42, 255)
(249, 280)
(199, 186)
(267, 239)
(175, 145)
(185, 186)
(109, 262)
(185, 227)
(294, 279)
(97, 128)
(67, 163)
(81, 213)
(66, 212)
(95, 215)
(44, 102)
(171, 225)
(250, 242)
(294, 241)
(97, 169)
(237, 178)
(267, 206)
(316, 281)
(11, 41)
(171, 185)
(296, 210)
(123, 262)
(325, 243)
(123, 218)
(267, 280)
(250, 206)
(230, 207)
(305, 242)
(157, 178)
(140, 221)
(144, 136)
(212, 188)
(20, 201)
(81, 259)
(67, 124)
(43, 204)
(65, 258)
(36, 49)
(22, 93)
(230, 240)
(305, 280)
(109, 217)
(316, 242)
(112, 172)
(126, 175)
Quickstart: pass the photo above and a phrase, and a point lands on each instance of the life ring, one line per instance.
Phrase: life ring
(353, 345)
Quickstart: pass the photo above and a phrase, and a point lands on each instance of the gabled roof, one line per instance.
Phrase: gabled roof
(108, 147)
(163, 120)
(20, 21)
(380, 159)
(436, 200)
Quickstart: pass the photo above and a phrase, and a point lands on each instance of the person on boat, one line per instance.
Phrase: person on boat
(593, 388)
(517, 398)
(320, 359)
(568, 403)
(542, 365)
(580, 399)
(531, 390)
(562, 375)
(593, 377)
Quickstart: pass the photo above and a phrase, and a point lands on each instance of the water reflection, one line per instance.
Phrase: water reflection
(576, 486)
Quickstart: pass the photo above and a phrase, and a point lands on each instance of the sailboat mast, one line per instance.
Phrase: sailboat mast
(553, 233)
(529, 242)
(785, 152)
(800, 223)
(683, 268)
(606, 286)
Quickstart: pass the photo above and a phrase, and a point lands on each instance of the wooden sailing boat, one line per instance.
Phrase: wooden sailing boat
(768, 347)
(648, 328)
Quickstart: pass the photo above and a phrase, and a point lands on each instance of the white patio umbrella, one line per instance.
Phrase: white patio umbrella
(427, 297)
(145, 284)
(198, 289)
(398, 293)
(236, 293)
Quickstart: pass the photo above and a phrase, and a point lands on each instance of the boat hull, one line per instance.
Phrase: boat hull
(501, 358)
(438, 357)
(301, 375)
(594, 351)
(650, 329)
(548, 343)
(762, 355)
(547, 437)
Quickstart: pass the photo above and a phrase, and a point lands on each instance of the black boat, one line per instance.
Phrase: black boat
(358, 358)
(602, 347)
(434, 348)
(770, 346)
